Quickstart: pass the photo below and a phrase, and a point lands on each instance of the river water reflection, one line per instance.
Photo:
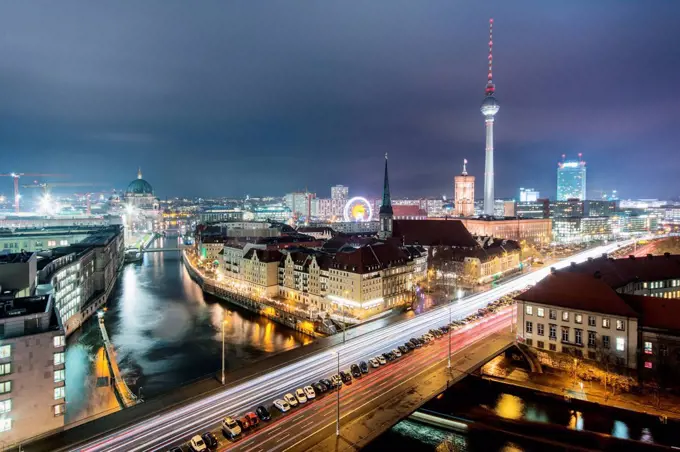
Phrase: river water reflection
(167, 332)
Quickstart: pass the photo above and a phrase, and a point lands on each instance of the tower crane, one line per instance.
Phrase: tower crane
(16, 177)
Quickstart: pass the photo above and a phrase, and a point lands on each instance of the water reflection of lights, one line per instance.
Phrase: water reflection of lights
(509, 406)
(576, 420)
(620, 430)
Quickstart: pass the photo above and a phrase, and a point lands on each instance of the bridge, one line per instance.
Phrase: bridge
(158, 424)
(160, 250)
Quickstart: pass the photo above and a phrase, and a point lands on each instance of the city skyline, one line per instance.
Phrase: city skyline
(218, 107)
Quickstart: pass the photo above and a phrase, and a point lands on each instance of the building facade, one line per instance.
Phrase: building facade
(464, 193)
(571, 180)
(533, 230)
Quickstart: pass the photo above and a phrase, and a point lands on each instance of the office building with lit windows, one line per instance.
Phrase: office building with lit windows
(32, 368)
(571, 180)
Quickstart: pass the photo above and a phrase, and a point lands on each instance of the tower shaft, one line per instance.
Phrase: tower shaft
(488, 169)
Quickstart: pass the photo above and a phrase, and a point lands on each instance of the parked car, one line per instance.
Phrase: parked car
(282, 405)
(176, 449)
(210, 440)
(300, 395)
(290, 398)
(230, 428)
(410, 345)
(309, 392)
(374, 362)
(346, 378)
(197, 444)
(403, 349)
(244, 423)
(319, 388)
(263, 413)
(388, 357)
(355, 371)
(327, 383)
(336, 380)
(396, 353)
(381, 360)
(364, 367)
(253, 419)
(416, 342)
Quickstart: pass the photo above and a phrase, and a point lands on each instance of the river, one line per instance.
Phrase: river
(166, 333)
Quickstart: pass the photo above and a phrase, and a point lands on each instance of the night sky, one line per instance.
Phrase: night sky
(234, 98)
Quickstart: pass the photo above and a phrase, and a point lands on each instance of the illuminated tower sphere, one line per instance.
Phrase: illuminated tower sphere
(489, 109)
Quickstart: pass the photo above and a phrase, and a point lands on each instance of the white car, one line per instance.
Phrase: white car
(309, 392)
(374, 363)
(290, 398)
(396, 353)
(282, 405)
(230, 429)
(300, 395)
(429, 337)
(381, 360)
(336, 380)
(197, 444)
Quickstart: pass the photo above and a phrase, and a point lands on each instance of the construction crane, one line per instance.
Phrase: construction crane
(46, 186)
(88, 198)
(16, 177)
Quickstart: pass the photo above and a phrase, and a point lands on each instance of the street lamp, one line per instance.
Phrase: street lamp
(344, 322)
(224, 322)
(337, 419)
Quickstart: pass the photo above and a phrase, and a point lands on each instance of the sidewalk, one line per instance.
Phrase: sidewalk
(557, 382)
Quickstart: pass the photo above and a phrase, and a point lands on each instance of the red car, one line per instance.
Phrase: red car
(252, 418)
(243, 422)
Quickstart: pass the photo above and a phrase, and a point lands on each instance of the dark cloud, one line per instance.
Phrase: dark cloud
(229, 98)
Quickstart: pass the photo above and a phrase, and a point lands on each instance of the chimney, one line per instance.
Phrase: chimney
(667, 255)
(597, 274)
(631, 257)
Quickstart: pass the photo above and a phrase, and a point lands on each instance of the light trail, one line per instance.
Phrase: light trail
(175, 425)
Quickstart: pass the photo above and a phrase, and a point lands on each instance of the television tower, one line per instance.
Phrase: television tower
(489, 109)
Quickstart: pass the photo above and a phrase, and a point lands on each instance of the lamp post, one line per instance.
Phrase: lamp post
(224, 322)
(344, 322)
(337, 419)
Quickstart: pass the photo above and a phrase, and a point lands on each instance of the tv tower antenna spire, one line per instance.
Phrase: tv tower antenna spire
(490, 87)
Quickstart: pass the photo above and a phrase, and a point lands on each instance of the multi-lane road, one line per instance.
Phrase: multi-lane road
(176, 425)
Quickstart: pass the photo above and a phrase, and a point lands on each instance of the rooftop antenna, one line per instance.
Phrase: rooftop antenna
(464, 168)
(490, 87)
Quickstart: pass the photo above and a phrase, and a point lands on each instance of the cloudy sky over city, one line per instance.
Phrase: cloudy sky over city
(235, 98)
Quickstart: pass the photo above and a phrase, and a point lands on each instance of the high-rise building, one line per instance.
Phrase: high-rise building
(386, 212)
(464, 193)
(528, 195)
(571, 179)
(489, 109)
(299, 203)
(339, 192)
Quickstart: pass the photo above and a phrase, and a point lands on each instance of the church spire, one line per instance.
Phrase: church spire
(139, 173)
(386, 207)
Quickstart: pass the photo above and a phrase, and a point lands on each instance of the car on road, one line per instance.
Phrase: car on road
(374, 362)
(336, 380)
(282, 405)
(210, 440)
(253, 419)
(403, 349)
(244, 423)
(410, 345)
(364, 367)
(381, 360)
(429, 337)
(290, 398)
(346, 378)
(230, 428)
(300, 395)
(196, 444)
(415, 341)
(388, 357)
(355, 371)
(327, 383)
(309, 392)
(263, 413)
(396, 353)
(319, 388)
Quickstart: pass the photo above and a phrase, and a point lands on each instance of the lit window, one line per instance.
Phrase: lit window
(553, 314)
(620, 344)
(59, 393)
(565, 316)
(530, 310)
(5, 351)
(648, 364)
(605, 323)
(5, 406)
(59, 375)
(540, 312)
(58, 358)
(59, 341)
(620, 325)
(5, 425)
(5, 368)
(59, 409)
(5, 387)
(648, 348)
(578, 318)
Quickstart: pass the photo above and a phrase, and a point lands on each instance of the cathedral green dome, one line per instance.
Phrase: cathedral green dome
(139, 186)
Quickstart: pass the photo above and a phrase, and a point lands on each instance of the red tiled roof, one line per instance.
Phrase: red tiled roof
(264, 255)
(619, 272)
(433, 233)
(578, 291)
(370, 258)
(659, 313)
(408, 211)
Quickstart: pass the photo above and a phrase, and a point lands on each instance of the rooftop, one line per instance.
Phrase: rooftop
(15, 258)
(433, 233)
(370, 258)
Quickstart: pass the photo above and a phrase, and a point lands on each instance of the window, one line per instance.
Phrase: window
(605, 323)
(648, 364)
(592, 335)
(605, 341)
(540, 329)
(592, 355)
(565, 316)
(591, 320)
(553, 332)
(5, 351)
(578, 336)
(565, 334)
(553, 347)
(5, 369)
(5, 387)
(540, 312)
(530, 310)
(530, 328)
(58, 358)
(59, 409)
(59, 341)
(5, 406)
(5, 425)
(540, 344)
(648, 348)
(620, 325)
(59, 393)
(663, 350)
(59, 375)
(578, 318)
(529, 342)
(620, 344)
(553, 314)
